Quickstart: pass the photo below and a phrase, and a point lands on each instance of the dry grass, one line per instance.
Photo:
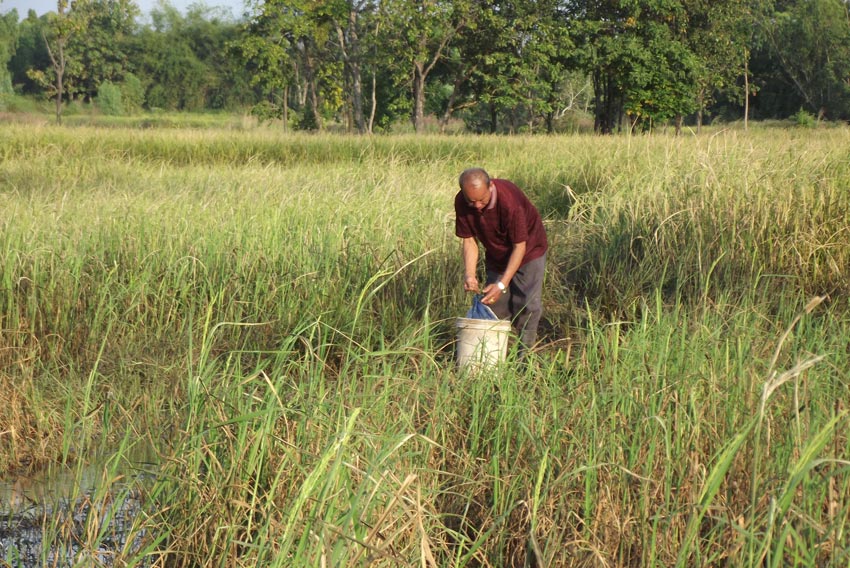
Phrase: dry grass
(272, 315)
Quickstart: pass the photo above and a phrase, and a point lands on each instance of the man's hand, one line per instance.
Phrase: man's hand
(470, 284)
(491, 294)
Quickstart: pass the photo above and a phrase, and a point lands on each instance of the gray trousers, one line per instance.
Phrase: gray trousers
(522, 301)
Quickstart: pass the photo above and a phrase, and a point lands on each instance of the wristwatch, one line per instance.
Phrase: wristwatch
(501, 286)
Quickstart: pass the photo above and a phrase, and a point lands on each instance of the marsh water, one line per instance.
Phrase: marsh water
(71, 517)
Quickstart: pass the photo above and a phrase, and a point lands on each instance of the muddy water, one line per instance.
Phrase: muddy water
(70, 518)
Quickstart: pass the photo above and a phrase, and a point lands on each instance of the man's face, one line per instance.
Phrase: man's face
(477, 194)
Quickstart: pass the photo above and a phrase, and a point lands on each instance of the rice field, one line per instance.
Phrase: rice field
(269, 319)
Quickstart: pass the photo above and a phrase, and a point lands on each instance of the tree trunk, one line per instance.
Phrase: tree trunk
(286, 108)
(357, 81)
(597, 103)
(450, 105)
(350, 49)
(357, 99)
(57, 59)
(315, 121)
(300, 88)
(700, 107)
(418, 116)
(60, 74)
(374, 103)
(608, 113)
(746, 89)
(421, 70)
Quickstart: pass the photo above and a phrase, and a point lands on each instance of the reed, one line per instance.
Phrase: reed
(271, 315)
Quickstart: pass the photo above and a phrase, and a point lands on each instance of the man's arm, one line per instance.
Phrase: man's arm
(513, 263)
(470, 264)
(492, 292)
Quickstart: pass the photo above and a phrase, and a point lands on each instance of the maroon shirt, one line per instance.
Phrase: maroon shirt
(511, 219)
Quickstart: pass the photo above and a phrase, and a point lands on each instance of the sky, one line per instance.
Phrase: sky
(236, 7)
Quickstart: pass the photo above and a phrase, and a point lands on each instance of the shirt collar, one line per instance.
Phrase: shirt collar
(493, 195)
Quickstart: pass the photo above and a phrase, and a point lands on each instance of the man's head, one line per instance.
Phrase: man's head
(476, 187)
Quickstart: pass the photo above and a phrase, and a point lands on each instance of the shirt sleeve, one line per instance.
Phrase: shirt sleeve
(462, 228)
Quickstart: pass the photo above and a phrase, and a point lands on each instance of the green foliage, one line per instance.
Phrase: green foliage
(720, 35)
(269, 45)
(805, 119)
(98, 47)
(641, 63)
(22, 104)
(178, 79)
(312, 47)
(811, 40)
(187, 63)
(518, 54)
(503, 66)
(8, 41)
(266, 111)
(31, 53)
(109, 99)
(414, 39)
(659, 86)
(132, 93)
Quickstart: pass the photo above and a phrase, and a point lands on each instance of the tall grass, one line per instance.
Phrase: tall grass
(273, 314)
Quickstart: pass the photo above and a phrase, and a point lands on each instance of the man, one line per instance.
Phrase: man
(496, 213)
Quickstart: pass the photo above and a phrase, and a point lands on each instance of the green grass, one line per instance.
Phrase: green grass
(273, 315)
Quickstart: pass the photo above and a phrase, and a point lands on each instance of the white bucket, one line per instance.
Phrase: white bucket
(480, 342)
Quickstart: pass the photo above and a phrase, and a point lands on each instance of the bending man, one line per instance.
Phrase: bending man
(496, 213)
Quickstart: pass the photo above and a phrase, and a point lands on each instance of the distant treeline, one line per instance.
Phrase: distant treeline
(497, 66)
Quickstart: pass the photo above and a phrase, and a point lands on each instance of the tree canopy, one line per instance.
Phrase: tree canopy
(496, 66)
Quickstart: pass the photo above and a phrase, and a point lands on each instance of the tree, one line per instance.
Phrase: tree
(605, 37)
(30, 54)
(717, 38)
(496, 48)
(416, 35)
(269, 59)
(288, 44)
(71, 34)
(186, 63)
(100, 54)
(750, 26)
(8, 42)
(458, 78)
(165, 62)
(348, 18)
(659, 86)
(209, 33)
(640, 60)
(59, 30)
(811, 42)
(523, 79)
